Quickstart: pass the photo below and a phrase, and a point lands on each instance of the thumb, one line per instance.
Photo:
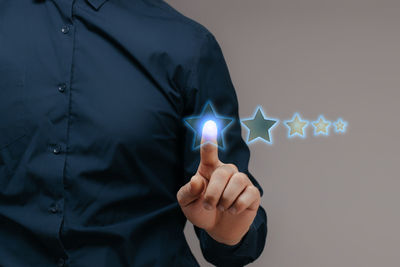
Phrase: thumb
(191, 191)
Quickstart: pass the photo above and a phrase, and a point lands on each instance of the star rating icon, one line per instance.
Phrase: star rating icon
(340, 126)
(196, 123)
(296, 126)
(321, 127)
(259, 127)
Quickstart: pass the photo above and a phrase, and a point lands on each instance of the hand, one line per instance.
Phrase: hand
(219, 198)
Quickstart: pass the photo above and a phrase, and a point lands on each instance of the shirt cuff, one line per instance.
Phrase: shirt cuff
(241, 253)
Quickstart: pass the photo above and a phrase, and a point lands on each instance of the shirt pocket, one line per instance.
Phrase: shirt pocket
(12, 110)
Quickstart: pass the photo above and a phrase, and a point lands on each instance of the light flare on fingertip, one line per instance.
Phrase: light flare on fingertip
(210, 131)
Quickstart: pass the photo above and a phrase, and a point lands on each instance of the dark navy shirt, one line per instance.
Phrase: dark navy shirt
(93, 147)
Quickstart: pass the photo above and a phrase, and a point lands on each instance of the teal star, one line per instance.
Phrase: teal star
(195, 123)
(259, 127)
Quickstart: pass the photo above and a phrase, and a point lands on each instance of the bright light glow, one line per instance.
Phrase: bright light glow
(209, 130)
(197, 122)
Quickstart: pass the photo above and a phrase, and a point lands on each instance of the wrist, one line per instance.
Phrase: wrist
(229, 239)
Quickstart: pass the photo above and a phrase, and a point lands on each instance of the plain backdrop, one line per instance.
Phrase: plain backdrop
(332, 201)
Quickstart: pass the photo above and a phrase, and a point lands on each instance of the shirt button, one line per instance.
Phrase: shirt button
(53, 209)
(61, 262)
(56, 149)
(61, 87)
(65, 29)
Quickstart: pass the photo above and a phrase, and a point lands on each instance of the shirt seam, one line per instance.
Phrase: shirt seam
(204, 34)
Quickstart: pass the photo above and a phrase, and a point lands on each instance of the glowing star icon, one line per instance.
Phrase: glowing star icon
(340, 126)
(259, 127)
(208, 122)
(321, 126)
(296, 126)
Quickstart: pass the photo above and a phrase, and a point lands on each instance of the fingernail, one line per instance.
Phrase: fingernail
(207, 206)
(220, 207)
(232, 210)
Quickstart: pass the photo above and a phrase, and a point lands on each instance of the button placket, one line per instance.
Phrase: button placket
(59, 145)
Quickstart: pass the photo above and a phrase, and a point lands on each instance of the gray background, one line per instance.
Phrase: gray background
(331, 201)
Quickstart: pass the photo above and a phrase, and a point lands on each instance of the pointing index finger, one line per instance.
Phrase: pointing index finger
(209, 144)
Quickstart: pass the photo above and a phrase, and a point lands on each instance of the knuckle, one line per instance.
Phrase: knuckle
(240, 203)
(211, 198)
(224, 201)
(223, 172)
(179, 196)
(208, 164)
(240, 178)
(219, 180)
(232, 167)
(207, 147)
(254, 190)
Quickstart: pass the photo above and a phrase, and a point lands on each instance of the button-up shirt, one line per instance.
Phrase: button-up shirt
(93, 146)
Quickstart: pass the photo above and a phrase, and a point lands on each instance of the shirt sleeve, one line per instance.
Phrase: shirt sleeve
(210, 81)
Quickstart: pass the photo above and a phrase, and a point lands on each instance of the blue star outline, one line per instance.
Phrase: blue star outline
(195, 123)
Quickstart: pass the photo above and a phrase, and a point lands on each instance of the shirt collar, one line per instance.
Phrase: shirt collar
(96, 4)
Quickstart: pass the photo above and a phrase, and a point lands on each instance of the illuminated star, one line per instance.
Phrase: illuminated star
(321, 126)
(259, 127)
(340, 125)
(196, 123)
(296, 126)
